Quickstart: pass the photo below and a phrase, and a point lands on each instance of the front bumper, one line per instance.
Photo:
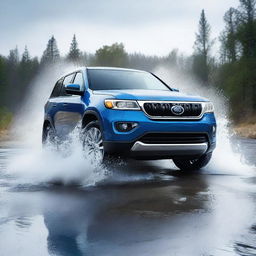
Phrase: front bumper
(129, 144)
(140, 150)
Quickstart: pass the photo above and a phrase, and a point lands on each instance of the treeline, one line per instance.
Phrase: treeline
(232, 70)
(237, 69)
(17, 72)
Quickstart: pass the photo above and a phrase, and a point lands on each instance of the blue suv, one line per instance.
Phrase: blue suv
(131, 113)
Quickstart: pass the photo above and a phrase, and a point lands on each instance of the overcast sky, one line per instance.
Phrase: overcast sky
(148, 26)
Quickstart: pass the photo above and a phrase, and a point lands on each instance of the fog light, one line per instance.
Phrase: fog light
(125, 126)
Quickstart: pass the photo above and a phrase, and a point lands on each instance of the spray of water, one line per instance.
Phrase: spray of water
(37, 165)
(28, 122)
(225, 159)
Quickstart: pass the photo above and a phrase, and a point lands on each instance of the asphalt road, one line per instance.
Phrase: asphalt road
(142, 208)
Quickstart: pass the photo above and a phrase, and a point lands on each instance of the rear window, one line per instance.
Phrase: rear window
(56, 89)
(123, 79)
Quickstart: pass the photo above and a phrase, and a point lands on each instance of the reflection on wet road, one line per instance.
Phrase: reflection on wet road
(145, 208)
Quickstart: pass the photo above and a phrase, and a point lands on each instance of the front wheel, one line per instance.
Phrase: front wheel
(92, 141)
(193, 164)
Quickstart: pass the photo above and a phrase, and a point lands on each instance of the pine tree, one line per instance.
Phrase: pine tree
(229, 44)
(202, 47)
(51, 53)
(13, 77)
(25, 56)
(247, 37)
(3, 81)
(74, 54)
(13, 57)
(247, 28)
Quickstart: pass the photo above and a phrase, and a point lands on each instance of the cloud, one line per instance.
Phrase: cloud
(151, 26)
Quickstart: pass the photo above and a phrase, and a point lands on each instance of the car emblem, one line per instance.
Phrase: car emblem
(177, 110)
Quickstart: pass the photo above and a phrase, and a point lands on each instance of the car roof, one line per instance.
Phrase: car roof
(83, 69)
(114, 68)
(104, 68)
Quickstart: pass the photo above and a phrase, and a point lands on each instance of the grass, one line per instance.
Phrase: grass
(246, 130)
(5, 118)
(247, 127)
(5, 122)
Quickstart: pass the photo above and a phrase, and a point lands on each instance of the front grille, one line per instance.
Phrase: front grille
(157, 109)
(174, 138)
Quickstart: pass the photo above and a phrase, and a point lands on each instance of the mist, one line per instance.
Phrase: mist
(227, 156)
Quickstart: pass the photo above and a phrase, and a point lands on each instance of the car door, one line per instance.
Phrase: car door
(51, 107)
(70, 107)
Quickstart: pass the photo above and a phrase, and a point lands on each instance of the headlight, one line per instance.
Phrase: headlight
(208, 107)
(122, 104)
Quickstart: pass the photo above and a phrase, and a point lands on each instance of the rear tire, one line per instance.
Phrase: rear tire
(49, 136)
(193, 164)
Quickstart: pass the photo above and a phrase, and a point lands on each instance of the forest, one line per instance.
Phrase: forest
(231, 69)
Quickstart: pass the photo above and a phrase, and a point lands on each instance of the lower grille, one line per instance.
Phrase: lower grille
(157, 109)
(174, 138)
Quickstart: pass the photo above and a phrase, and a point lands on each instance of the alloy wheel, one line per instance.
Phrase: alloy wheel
(93, 145)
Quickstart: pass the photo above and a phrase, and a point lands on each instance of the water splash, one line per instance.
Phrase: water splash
(67, 165)
(37, 165)
(225, 158)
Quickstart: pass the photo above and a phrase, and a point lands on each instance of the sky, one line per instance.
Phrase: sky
(152, 27)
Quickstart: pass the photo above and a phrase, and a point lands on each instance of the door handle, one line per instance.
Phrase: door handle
(65, 104)
(54, 105)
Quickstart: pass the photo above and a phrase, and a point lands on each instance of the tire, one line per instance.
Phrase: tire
(193, 164)
(49, 136)
(92, 142)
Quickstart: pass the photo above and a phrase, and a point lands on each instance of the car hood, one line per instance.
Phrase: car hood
(148, 95)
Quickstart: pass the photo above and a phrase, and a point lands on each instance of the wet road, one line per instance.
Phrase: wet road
(144, 208)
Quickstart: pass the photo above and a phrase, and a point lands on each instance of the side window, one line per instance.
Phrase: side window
(67, 80)
(56, 89)
(79, 79)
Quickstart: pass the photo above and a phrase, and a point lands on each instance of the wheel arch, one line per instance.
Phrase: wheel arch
(89, 116)
(46, 123)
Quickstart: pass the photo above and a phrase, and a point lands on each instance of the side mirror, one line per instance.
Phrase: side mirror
(175, 90)
(74, 89)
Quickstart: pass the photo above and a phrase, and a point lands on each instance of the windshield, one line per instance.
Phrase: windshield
(123, 79)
